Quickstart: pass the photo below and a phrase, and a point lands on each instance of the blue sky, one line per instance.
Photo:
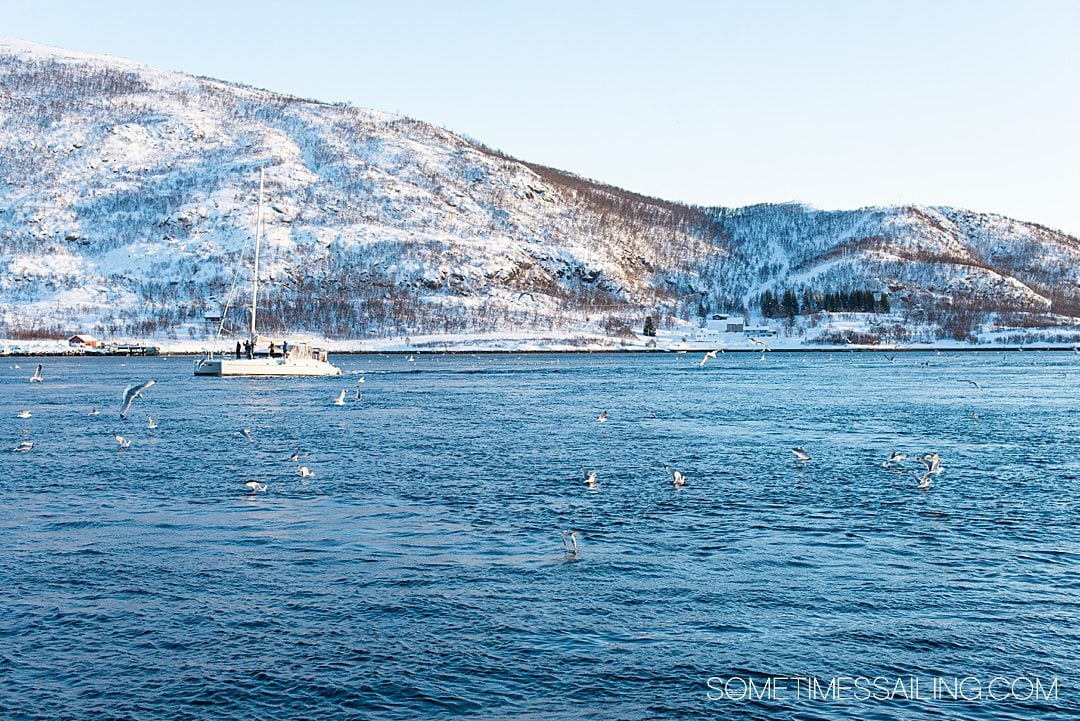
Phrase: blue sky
(839, 104)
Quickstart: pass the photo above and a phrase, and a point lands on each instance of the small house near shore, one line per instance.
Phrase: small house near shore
(84, 340)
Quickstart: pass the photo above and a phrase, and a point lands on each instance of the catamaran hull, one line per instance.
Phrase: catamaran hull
(264, 367)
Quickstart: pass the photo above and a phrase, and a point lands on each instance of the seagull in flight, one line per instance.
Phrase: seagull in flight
(762, 358)
(255, 487)
(968, 380)
(890, 358)
(340, 400)
(247, 434)
(36, 378)
(801, 456)
(133, 392)
(304, 472)
(710, 354)
(24, 447)
(932, 461)
(150, 424)
(602, 418)
(590, 479)
(894, 457)
(124, 442)
(410, 359)
(758, 341)
(24, 414)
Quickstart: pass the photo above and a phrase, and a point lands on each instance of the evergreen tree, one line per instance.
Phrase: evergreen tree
(790, 304)
(650, 327)
(883, 305)
(769, 306)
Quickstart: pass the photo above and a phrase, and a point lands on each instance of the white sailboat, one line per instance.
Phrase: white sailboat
(263, 355)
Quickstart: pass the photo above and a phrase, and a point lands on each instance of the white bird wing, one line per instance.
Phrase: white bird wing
(133, 392)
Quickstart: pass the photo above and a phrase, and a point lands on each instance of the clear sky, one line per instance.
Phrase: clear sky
(838, 103)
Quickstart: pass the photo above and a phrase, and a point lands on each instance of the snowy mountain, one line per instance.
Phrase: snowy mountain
(128, 198)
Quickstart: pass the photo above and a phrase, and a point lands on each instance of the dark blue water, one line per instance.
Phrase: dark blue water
(420, 572)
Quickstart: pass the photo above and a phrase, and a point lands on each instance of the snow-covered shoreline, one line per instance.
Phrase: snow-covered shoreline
(541, 343)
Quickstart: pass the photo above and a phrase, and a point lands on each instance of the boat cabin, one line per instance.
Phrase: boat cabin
(293, 348)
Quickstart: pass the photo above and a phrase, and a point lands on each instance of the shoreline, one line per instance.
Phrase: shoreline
(583, 351)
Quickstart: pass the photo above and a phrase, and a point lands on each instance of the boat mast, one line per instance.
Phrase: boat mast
(255, 276)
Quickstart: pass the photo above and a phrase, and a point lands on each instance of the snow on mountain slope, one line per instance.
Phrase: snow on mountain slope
(128, 200)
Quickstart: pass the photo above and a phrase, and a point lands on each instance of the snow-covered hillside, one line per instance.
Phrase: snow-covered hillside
(128, 199)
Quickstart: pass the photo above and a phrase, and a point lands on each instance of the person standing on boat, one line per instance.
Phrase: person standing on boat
(271, 349)
(237, 350)
(285, 349)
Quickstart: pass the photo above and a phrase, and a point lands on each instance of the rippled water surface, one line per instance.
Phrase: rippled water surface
(420, 572)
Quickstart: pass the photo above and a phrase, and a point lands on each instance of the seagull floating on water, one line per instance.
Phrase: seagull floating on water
(677, 479)
(602, 418)
(133, 392)
(36, 378)
(255, 487)
(24, 414)
(304, 472)
(24, 447)
(124, 442)
(801, 456)
(94, 412)
(570, 550)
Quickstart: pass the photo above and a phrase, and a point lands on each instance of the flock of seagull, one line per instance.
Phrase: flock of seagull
(127, 398)
(135, 391)
(931, 462)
